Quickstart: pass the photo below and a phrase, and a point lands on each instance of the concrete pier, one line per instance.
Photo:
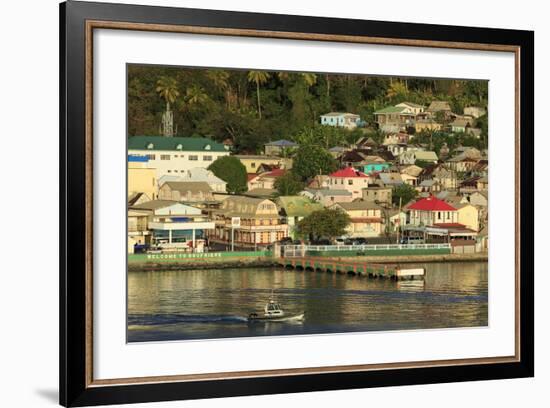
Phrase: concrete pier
(353, 267)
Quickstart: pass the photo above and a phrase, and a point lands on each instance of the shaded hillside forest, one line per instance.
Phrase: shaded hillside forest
(254, 107)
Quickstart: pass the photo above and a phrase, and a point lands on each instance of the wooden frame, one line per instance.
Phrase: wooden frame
(77, 22)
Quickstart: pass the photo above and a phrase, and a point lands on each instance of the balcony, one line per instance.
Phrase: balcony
(181, 226)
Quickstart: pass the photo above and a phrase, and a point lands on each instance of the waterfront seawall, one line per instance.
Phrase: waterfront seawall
(222, 260)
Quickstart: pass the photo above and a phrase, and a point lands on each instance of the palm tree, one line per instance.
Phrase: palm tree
(260, 78)
(195, 95)
(167, 88)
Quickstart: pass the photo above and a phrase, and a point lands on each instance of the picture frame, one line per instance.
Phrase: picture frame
(78, 20)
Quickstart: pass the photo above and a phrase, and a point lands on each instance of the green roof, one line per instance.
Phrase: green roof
(193, 144)
(390, 109)
(298, 206)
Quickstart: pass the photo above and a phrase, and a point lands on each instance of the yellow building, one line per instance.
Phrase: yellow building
(253, 162)
(468, 215)
(259, 222)
(141, 178)
(366, 218)
(429, 125)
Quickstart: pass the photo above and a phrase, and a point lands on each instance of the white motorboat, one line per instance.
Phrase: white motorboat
(274, 313)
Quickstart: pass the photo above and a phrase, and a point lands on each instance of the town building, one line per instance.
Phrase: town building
(373, 164)
(186, 191)
(474, 111)
(141, 177)
(253, 162)
(427, 125)
(439, 106)
(366, 218)
(265, 180)
(195, 175)
(328, 197)
(175, 226)
(432, 211)
(296, 208)
(412, 156)
(413, 107)
(348, 179)
(138, 230)
(259, 222)
(341, 119)
(176, 155)
(461, 125)
(378, 195)
(279, 147)
(396, 138)
(395, 118)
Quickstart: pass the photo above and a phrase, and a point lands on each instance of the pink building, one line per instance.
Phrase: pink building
(349, 179)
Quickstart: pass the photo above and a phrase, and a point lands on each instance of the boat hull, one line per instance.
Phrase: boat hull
(292, 318)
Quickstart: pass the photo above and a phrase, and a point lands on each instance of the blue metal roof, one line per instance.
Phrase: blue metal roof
(282, 143)
(138, 159)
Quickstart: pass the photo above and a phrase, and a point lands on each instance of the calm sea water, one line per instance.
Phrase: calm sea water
(202, 304)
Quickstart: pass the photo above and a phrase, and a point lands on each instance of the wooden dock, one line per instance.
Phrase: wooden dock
(360, 268)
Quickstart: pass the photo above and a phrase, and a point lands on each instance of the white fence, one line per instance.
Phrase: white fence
(301, 250)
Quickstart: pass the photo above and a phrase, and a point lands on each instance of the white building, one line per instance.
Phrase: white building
(174, 225)
(197, 174)
(340, 119)
(176, 155)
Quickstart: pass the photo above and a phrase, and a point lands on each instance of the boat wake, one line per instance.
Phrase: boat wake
(168, 319)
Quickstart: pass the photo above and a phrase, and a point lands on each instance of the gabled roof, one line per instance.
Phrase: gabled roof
(192, 144)
(329, 192)
(392, 109)
(431, 203)
(436, 106)
(282, 143)
(359, 205)
(351, 156)
(347, 173)
(186, 186)
(340, 114)
(298, 206)
(411, 104)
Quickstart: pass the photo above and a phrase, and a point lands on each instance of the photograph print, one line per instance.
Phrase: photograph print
(266, 203)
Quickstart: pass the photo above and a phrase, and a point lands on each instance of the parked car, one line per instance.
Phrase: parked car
(356, 241)
(321, 241)
(339, 241)
(411, 240)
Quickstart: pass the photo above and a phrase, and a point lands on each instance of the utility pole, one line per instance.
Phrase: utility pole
(399, 220)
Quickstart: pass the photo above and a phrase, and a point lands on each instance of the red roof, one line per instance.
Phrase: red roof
(431, 203)
(275, 173)
(348, 172)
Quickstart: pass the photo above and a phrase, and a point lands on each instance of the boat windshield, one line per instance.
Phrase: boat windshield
(272, 306)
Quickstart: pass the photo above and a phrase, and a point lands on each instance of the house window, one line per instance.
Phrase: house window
(193, 157)
(207, 158)
(169, 171)
(448, 215)
(165, 157)
(252, 165)
(350, 182)
(438, 215)
(151, 157)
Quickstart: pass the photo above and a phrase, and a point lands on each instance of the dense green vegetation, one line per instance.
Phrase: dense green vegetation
(288, 184)
(231, 170)
(325, 223)
(253, 107)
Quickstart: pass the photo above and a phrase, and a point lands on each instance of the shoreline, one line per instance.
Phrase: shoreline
(271, 262)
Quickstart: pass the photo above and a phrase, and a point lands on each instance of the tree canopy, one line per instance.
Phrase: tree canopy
(311, 160)
(232, 171)
(326, 223)
(288, 184)
(254, 107)
(404, 192)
